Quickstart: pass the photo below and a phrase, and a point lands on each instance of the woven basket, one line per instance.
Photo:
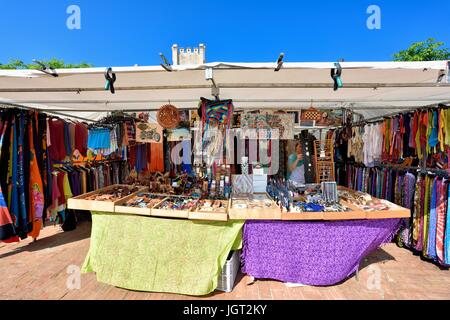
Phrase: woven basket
(311, 114)
(168, 116)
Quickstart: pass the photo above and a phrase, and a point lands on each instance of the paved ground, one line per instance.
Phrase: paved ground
(39, 271)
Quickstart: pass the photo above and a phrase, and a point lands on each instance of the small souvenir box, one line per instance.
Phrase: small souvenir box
(139, 204)
(103, 200)
(257, 206)
(175, 207)
(210, 210)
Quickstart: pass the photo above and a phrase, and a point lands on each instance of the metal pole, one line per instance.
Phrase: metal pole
(60, 102)
(13, 105)
(239, 86)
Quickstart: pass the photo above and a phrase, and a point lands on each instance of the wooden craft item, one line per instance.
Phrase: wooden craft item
(168, 116)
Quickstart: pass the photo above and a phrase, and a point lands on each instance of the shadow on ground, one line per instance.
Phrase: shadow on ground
(82, 232)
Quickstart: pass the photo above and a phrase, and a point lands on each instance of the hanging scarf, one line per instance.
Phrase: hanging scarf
(431, 242)
(216, 119)
(447, 230)
(440, 223)
(7, 229)
(36, 190)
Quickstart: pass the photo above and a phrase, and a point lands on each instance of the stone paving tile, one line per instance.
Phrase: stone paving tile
(39, 270)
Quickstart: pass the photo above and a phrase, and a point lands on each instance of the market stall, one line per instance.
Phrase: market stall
(300, 184)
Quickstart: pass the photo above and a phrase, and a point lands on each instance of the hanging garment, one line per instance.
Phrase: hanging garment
(57, 148)
(426, 213)
(440, 223)
(7, 229)
(417, 212)
(447, 231)
(141, 158)
(36, 191)
(431, 242)
(157, 157)
(434, 133)
(446, 126)
(23, 208)
(56, 195)
(81, 138)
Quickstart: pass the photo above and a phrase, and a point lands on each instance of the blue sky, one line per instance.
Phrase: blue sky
(122, 33)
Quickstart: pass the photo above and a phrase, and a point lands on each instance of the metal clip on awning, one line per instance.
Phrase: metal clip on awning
(279, 62)
(46, 69)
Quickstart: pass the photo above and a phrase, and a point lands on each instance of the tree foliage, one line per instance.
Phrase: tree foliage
(15, 64)
(428, 50)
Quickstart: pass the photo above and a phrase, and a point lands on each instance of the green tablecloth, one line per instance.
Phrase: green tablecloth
(160, 255)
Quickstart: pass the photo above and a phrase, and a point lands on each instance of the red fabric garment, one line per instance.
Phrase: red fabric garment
(156, 157)
(132, 156)
(81, 136)
(55, 192)
(57, 149)
(12, 240)
(52, 149)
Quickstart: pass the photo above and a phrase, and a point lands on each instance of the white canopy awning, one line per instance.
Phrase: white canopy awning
(371, 88)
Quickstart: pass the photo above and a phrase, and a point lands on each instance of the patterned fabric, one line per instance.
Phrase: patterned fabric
(242, 183)
(160, 255)
(431, 249)
(440, 223)
(416, 212)
(447, 232)
(7, 230)
(311, 253)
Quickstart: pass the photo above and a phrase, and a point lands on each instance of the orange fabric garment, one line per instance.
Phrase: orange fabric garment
(36, 191)
(156, 157)
(125, 141)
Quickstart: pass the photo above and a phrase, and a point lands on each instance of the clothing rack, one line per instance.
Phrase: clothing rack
(87, 162)
(7, 105)
(382, 118)
(421, 170)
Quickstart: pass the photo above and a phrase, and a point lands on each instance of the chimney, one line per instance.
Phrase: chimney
(175, 60)
(182, 56)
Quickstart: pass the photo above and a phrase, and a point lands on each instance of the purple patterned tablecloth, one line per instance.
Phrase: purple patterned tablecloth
(311, 253)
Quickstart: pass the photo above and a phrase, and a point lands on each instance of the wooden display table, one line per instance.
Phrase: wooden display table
(273, 212)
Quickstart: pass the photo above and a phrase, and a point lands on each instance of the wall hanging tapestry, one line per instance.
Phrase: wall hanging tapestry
(268, 126)
(149, 133)
(216, 119)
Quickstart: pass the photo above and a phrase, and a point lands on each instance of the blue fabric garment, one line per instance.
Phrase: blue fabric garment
(15, 211)
(23, 214)
(431, 249)
(187, 167)
(99, 138)
(434, 140)
(141, 158)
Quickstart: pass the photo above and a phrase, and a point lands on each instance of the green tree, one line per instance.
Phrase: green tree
(16, 64)
(428, 50)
